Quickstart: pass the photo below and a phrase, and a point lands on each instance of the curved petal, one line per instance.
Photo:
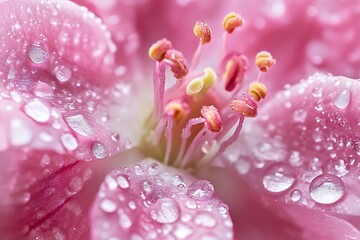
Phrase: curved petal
(305, 153)
(150, 201)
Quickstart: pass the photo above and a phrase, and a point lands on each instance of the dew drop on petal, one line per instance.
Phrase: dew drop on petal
(295, 195)
(123, 182)
(205, 220)
(37, 111)
(80, 123)
(326, 189)
(108, 206)
(38, 52)
(115, 137)
(200, 190)
(69, 141)
(278, 178)
(99, 150)
(124, 220)
(299, 115)
(147, 186)
(20, 133)
(317, 92)
(165, 210)
(182, 231)
(342, 99)
(62, 73)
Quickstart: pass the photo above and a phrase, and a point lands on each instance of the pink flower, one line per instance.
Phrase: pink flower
(232, 148)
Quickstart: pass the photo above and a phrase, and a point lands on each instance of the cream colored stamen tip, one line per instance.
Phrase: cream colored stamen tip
(212, 118)
(176, 109)
(194, 86)
(157, 50)
(232, 21)
(257, 90)
(203, 31)
(209, 77)
(244, 105)
(264, 60)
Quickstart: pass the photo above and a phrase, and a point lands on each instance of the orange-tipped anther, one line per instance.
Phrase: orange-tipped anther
(157, 50)
(264, 60)
(257, 90)
(203, 31)
(212, 118)
(244, 105)
(176, 109)
(177, 63)
(232, 21)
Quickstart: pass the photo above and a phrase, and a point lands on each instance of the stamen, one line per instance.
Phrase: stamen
(244, 105)
(264, 60)
(194, 86)
(159, 88)
(212, 118)
(203, 31)
(232, 21)
(157, 50)
(202, 83)
(234, 72)
(177, 63)
(176, 109)
(168, 135)
(209, 77)
(257, 90)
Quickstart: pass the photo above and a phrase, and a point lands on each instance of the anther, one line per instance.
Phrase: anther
(212, 118)
(264, 60)
(177, 63)
(257, 90)
(157, 50)
(176, 109)
(234, 72)
(209, 77)
(203, 31)
(244, 105)
(194, 86)
(232, 21)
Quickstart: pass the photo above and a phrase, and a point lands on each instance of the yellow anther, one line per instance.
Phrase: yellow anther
(257, 90)
(157, 50)
(194, 86)
(209, 77)
(244, 105)
(232, 21)
(264, 60)
(212, 118)
(176, 109)
(203, 31)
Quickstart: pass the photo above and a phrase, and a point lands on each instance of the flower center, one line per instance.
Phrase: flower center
(192, 120)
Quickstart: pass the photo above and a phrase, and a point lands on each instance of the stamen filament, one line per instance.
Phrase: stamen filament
(234, 137)
(159, 88)
(158, 131)
(196, 57)
(168, 135)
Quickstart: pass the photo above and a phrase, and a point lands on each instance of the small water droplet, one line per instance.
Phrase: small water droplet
(124, 220)
(69, 141)
(165, 210)
(75, 185)
(132, 205)
(205, 220)
(108, 205)
(138, 170)
(62, 73)
(317, 92)
(20, 132)
(278, 178)
(326, 189)
(295, 195)
(37, 111)
(200, 190)
(38, 52)
(99, 150)
(342, 99)
(299, 115)
(182, 231)
(115, 137)
(147, 186)
(123, 181)
(154, 169)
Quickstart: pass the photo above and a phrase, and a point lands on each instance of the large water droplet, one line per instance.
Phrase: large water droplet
(80, 122)
(99, 150)
(38, 52)
(205, 220)
(342, 99)
(326, 189)
(165, 210)
(200, 190)
(69, 141)
(278, 178)
(37, 111)
(62, 73)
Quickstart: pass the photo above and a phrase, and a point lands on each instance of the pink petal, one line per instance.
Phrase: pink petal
(151, 201)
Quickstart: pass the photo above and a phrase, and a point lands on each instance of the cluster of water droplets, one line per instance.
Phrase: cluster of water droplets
(151, 203)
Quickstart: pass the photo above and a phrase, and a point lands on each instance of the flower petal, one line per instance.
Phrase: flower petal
(151, 201)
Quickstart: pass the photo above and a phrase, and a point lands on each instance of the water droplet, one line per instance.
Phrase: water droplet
(295, 195)
(108, 205)
(182, 231)
(200, 190)
(132, 205)
(80, 123)
(278, 178)
(205, 220)
(99, 150)
(326, 189)
(342, 99)
(123, 182)
(69, 141)
(165, 210)
(115, 137)
(20, 133)
(154, 169)
(62, 73)
(124, 220)
(138, 170)
(147, 186)
(317, 92)
(38, 52)
(37, 111)
(75, 185)
(299, 115)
